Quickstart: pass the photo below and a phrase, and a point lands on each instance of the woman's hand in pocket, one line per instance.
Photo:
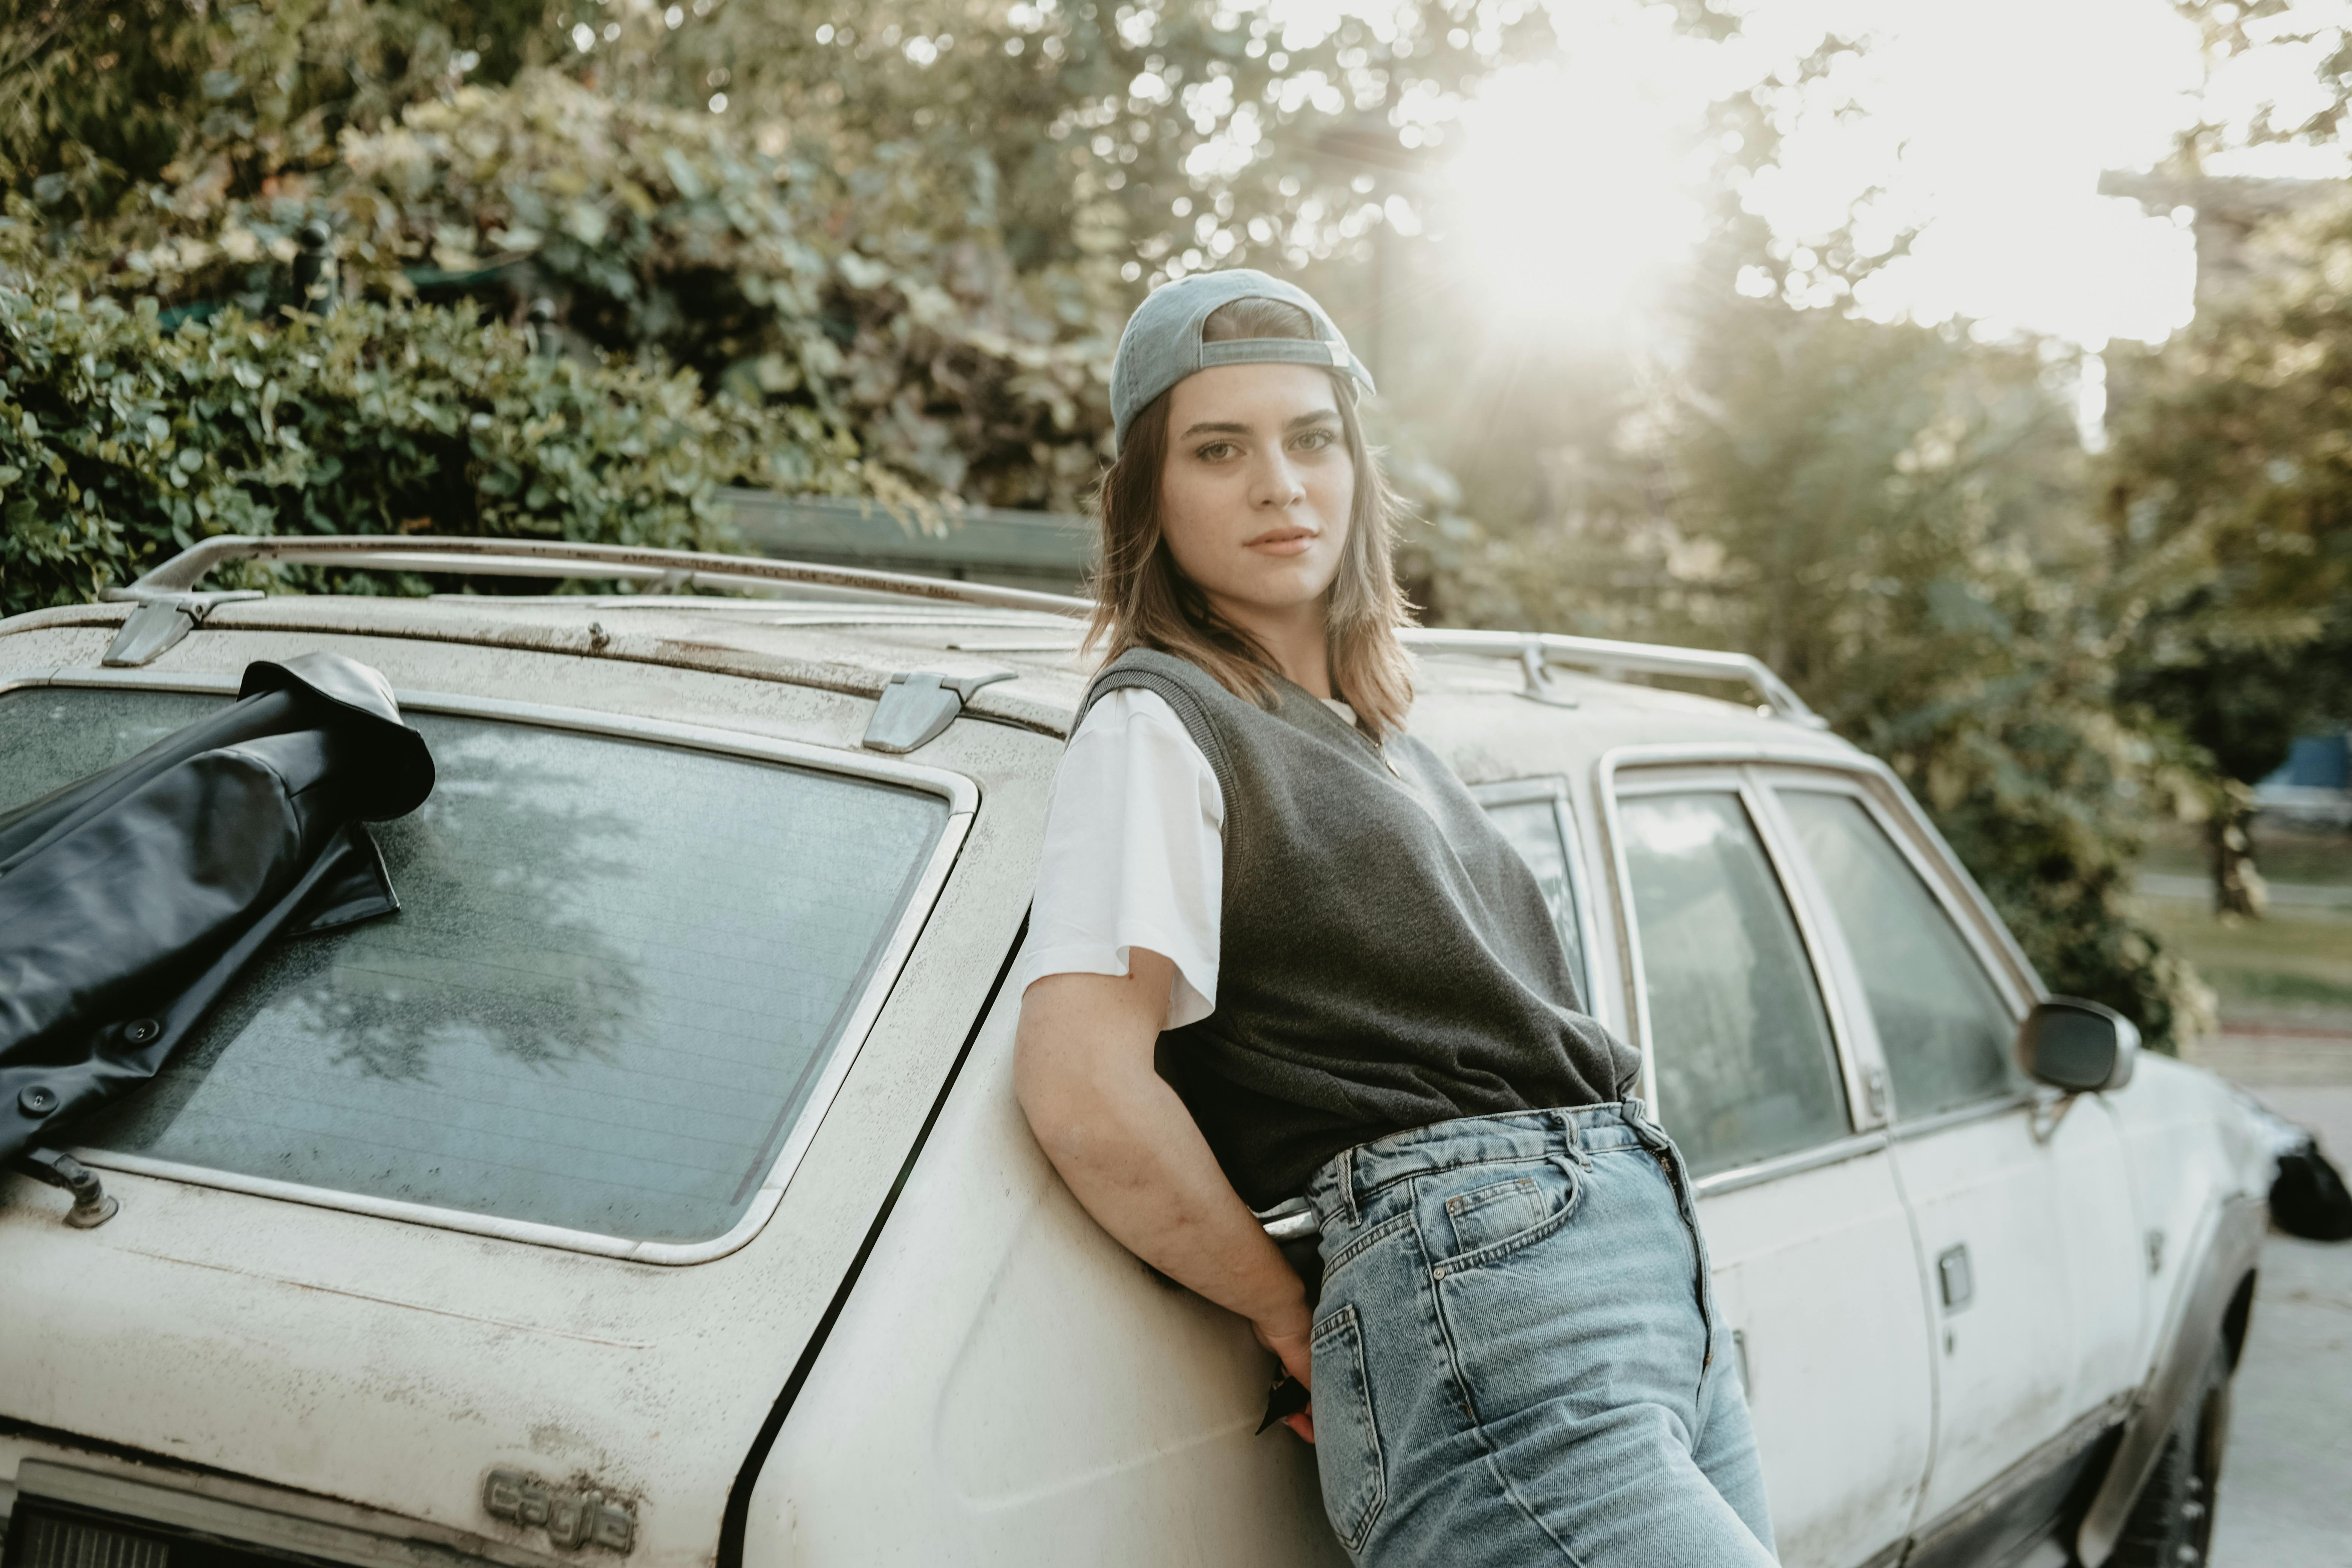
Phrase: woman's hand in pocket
(1288, 1337)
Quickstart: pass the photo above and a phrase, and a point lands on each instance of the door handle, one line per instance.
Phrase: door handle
(1955, 1277)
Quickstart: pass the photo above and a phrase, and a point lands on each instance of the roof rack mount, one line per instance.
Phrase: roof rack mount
(170, 606)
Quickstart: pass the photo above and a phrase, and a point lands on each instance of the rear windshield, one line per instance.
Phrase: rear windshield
(616, 974)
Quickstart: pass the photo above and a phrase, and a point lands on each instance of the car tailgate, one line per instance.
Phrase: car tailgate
(371, 1361)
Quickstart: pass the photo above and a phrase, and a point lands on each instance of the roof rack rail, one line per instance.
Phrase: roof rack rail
(170, 606)
(1536, 651)
(546, 558)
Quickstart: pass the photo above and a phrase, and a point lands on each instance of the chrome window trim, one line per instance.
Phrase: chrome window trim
(1554, 788)
(1803, 1160)
(1703, 770)
(2020, 1102)
(962, 798)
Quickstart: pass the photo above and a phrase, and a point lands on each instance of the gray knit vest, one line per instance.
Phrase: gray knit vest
(1385, 958)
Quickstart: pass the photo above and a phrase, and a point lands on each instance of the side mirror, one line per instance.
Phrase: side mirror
(2077, 1045)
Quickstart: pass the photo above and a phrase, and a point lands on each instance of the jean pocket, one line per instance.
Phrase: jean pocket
(1347, 1443)
(1503, 1216)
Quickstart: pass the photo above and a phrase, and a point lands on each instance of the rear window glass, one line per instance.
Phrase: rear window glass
(617, 973)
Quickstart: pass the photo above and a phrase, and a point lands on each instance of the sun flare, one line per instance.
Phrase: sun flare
(1569, 195)
(1577, 190)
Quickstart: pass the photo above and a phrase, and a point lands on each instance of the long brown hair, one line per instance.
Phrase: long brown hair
(1143, 600)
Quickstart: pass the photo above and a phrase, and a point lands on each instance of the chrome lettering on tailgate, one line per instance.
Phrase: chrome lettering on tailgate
(572, 1517)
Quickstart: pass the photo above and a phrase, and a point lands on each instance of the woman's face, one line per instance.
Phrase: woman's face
(1257, 489)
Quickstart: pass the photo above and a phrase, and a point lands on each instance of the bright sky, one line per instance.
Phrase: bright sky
(1983, 123)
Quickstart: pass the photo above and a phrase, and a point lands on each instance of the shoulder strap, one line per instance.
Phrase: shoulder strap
(1173, 680)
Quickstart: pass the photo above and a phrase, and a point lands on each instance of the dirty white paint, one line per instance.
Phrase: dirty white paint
(1005, 1385)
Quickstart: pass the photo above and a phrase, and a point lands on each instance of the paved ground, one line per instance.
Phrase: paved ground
(2286, 1481)
(2285, 992)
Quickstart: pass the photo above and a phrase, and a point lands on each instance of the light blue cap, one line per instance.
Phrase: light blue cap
(1162, 344)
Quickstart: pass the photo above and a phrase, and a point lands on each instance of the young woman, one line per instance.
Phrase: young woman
(1278, 951)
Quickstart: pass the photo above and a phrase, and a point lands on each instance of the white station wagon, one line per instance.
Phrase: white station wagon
(650, 1190)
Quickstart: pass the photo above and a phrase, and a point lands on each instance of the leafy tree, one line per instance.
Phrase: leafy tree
(99, 98)
(653, 231)
(2229, 494)
(924, 225)
(122, 442)
(1894, 518)
(1899, 519)
(892, 246)
(1174, 133)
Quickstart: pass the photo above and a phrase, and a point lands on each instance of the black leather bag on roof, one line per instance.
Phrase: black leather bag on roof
(130, 899)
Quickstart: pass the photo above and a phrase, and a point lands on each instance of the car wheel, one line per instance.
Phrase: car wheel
(2171, 1526)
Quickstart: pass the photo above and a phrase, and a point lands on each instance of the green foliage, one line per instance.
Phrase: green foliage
(649, 230)
(923, 225)
(2229, 499)
(122, 442)
(763, 270)
(99, 98)
(889, 247)
(1069, 129)
(1893, 518)
(1180, 134)
(2230, 491)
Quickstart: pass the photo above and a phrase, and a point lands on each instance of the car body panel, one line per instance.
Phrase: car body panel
(1839, 1374)
(2200, 1175)
(1008, 1386)
(2021, 1359)
(998, 1382)
(299, 1345)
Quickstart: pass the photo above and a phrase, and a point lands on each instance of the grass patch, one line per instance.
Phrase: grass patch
(2283, 854)
(2264, 988)
(2295, 959)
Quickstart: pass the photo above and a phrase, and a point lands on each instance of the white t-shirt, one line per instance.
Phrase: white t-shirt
(1134, 854)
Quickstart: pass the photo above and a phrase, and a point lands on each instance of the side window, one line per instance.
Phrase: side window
(1942, 1024)
(1533, 828)
(1746, 1067)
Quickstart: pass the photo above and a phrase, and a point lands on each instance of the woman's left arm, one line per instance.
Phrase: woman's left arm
(1134, 1157)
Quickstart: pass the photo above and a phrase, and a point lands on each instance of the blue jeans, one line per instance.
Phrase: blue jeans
(1518, 1359)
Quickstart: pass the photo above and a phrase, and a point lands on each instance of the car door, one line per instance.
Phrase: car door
(1755, 1073)
(2025, 1227)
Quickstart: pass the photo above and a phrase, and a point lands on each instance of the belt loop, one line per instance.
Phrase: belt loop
(1347, 1185)
(1571, 1137)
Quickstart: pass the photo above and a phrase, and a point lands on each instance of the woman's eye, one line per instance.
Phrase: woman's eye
(1314, 440)
(1215, 451)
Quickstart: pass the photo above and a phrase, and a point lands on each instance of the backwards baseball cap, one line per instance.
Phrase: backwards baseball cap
(1162, 344)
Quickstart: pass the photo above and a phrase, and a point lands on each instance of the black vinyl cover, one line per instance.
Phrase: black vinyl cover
(130, 899)
(2308, 1197)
